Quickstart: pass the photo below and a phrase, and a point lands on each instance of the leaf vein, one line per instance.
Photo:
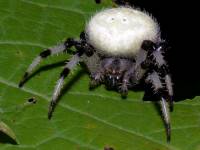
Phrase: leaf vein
(88, 115)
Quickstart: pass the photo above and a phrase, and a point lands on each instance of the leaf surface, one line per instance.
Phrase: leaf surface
(83, 119)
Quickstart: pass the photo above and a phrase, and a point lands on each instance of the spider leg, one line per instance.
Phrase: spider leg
(160, 78)
(158, 63)
(69, 66)
(44, 54)
(123, 88)
(162, 68)
(157, 85)
(135, 73)
(166, 116)
(140, 66)
(97, 78)
(52, 51)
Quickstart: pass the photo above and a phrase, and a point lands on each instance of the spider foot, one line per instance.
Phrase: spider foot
(51, 109)
(123, 89)
(96, 79)
(23, 80)
(94, 83)
(168, 130)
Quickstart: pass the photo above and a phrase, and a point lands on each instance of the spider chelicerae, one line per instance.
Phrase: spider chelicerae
(121, 47)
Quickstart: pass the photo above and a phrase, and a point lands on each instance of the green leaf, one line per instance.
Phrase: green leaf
(83, 119)
(6, 134)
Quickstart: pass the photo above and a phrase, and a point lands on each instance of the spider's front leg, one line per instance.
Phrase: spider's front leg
(82, 48)
(134, 73)
(46, 53)
(69, 66)
(160, 79)
(123, 88)
(97, 78)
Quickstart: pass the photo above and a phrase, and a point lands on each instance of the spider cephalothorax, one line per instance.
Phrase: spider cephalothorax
(120, 47)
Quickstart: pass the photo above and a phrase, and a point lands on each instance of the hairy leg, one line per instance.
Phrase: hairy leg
(160, 78)
(163, 70)
(140, 66)
(69, 66)
(158, 88)
(155, 59)
(126, 81)
(97, 78)
(44, 54)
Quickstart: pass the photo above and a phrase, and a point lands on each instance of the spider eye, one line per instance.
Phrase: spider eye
(124, 19)
(110, 19)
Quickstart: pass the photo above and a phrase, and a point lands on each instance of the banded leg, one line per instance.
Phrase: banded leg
(163, 70)
(96, 78)
(135, 74)
(140, 66)
(69, 66)
(157, 62)
(156, 82)
(123, 89)
(44, 54)
(160, 79)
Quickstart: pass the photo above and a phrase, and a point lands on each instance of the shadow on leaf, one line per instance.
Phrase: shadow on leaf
(43, 68)
(4, 138)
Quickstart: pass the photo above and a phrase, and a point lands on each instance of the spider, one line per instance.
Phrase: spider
(121, 47)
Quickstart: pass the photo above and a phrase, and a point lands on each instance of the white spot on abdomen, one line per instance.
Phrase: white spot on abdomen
(121, 31)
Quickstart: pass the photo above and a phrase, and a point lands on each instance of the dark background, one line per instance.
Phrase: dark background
(178, 21)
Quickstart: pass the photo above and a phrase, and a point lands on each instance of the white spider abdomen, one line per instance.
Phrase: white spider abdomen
(121, 31)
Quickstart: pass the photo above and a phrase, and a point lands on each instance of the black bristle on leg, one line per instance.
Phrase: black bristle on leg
(45, 53)
(82, 36)
(65, 72)
(69, 43)
(148, 45)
